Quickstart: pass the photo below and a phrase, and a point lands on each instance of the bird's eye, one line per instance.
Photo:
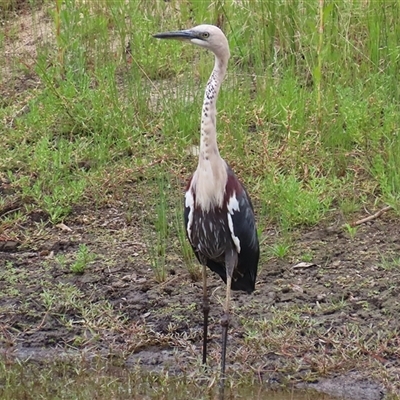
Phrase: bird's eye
(205, 35)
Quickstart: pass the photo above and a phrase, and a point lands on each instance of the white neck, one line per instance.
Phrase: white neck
(208, 139)
(211, 174)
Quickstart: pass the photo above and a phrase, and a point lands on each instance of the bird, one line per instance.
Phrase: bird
(218, 213)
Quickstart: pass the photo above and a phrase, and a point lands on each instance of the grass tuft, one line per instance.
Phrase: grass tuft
(83, 258)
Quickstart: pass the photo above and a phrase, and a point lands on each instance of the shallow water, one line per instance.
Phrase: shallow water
(32, 373)
(255, 393)
(31, 380)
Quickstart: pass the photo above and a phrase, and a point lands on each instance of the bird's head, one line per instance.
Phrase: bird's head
(207, 36)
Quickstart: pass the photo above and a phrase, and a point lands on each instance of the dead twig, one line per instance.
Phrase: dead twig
(371, 217)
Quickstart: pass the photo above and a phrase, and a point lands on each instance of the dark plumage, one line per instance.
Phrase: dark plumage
(209, 247)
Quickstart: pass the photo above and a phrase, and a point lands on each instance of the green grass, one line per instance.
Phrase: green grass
(350, 230)
(390, 262)
(280, 249)
(83, 258)
(308, 115)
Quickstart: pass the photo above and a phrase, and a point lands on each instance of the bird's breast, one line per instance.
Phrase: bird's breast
(209, 182)
(210, 233)
(209, 215)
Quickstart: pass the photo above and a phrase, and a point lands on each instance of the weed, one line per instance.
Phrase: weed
(61, 259)
(280, 249)
(11, 275)
(307, 256)
(350, 205)
(389, 262)
(48, 299)
(83, 258)
(351, 230)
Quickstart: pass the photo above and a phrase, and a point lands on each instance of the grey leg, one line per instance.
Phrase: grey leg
(225, 326)
(206, 310)
(230, 265)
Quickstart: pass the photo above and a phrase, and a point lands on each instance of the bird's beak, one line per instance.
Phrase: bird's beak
(177, 35)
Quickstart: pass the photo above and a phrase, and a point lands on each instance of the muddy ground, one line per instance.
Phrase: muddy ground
(347, 294)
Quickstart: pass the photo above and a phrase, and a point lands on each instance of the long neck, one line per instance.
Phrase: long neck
(210, 178)
(208, 139)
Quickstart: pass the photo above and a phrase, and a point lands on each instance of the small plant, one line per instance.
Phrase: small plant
(335, 305)
(349, 205)
(61, 259)
(157, 261)
(83, 258)
(279, 250)
(48, 299)
(351, 230)
(307, 256)
(390, 262)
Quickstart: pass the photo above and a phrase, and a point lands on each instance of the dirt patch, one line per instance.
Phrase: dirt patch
(349, 386)
(22, 38)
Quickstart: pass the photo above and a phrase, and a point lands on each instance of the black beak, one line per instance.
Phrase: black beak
(177, 35)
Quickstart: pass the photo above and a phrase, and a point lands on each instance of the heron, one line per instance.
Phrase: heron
(218, 212)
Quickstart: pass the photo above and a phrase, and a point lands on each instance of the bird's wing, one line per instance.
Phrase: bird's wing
(188, 218)
(243, 227)
(244, 236)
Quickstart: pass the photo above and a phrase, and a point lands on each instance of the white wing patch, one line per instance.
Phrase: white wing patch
(189, 202)
(233, 205)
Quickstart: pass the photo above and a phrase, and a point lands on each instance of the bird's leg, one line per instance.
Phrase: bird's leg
(225, 326)
(206, 309)
(230, 265)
